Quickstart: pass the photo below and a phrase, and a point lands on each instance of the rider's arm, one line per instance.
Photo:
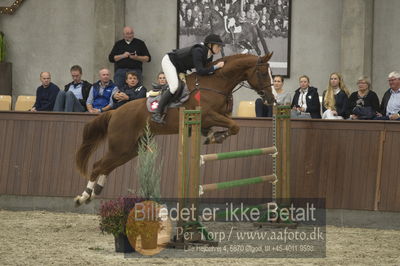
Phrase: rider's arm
(198, 56)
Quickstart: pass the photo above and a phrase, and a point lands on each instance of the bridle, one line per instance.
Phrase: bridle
(260, 77)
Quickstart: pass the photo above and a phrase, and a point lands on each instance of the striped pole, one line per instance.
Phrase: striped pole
(237, 183)
(236, 154)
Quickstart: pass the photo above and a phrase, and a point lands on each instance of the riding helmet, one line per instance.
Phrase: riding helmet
(213, 39)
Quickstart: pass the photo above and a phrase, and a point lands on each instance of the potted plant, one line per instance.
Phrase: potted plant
(144, 219)
(147, 168)
(113, 218)
(5, 69)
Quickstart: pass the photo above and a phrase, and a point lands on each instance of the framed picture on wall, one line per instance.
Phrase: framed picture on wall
(246, 26)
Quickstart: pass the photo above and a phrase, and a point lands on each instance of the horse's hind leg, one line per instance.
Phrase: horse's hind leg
(101, 169)
(107, 165)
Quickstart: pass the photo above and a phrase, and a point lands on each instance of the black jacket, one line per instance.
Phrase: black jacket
(136, 46)
(134, 93)
(85, 91)
(385, 101)
(371, 99)
(312, 100)
(192, 57)
(341, 104)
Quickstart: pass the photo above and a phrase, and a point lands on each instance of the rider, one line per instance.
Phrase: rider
(181, 60)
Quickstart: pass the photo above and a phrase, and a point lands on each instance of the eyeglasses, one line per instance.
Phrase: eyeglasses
(391, 80)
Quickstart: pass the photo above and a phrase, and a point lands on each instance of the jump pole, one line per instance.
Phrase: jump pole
(236, 183)
(236, 154)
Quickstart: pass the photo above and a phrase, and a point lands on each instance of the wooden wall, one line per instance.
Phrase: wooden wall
(353, 164)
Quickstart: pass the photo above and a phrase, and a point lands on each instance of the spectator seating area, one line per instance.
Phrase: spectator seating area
(23, 103)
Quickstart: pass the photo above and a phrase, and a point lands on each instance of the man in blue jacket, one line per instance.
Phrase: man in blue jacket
(46, 94)
(100, 95)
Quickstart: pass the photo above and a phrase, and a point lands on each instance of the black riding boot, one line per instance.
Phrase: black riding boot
(158, 116)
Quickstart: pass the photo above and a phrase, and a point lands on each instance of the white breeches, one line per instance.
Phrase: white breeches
(329, 115)
(170, 74)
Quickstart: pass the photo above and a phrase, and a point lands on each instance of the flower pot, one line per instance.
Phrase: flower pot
(150, 236)
(122, 244)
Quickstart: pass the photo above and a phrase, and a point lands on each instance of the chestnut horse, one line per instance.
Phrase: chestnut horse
(124, 126)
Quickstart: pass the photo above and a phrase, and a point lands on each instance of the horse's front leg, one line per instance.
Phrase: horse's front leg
(218, 120)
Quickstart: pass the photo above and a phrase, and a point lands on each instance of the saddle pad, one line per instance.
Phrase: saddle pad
(152, 101)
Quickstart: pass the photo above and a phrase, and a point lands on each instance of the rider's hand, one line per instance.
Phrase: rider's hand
(220, 64)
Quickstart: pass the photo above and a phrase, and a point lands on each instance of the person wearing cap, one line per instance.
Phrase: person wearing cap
(182, 60)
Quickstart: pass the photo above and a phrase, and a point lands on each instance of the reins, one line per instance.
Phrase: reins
(229, 95)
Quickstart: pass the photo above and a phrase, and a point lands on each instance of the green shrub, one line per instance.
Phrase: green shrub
(147, 168)
(2, 47)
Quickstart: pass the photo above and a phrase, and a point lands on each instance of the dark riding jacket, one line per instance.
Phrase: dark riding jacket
(312, 100)
(192, 57)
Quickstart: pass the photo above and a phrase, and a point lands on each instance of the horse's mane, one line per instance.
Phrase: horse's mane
(234, 63)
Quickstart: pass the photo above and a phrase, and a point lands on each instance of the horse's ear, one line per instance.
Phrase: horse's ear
(268, 57)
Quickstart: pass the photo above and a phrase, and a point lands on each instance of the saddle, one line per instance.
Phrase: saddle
(180, 97)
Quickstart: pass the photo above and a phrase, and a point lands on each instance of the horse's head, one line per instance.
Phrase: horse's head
(260, 78)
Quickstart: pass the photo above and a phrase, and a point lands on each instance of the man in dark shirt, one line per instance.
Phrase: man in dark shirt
(46, 94)
(128, 55)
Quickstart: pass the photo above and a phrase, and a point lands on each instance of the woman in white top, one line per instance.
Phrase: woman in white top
(282, 97)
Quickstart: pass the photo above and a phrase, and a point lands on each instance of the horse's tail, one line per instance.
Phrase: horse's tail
(93, 133)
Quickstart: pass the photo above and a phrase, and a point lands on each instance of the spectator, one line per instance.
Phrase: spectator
(335, 101)
(282, 97)
(263, 24)
(161, 79)
(363, 103)
(75, 94)
(159, 85)
(189, 19)
(100, 95)
(252, 16)
(390, 106)
(128, 55)
(181, 60)
(264, 12)
(131, 91)
(306, 100)
(46, 94)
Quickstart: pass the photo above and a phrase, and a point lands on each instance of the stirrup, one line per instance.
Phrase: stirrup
(158, 118)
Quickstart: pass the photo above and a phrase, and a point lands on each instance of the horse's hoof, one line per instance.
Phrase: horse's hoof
(77, 202)
(89, 199)
(219, 139)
